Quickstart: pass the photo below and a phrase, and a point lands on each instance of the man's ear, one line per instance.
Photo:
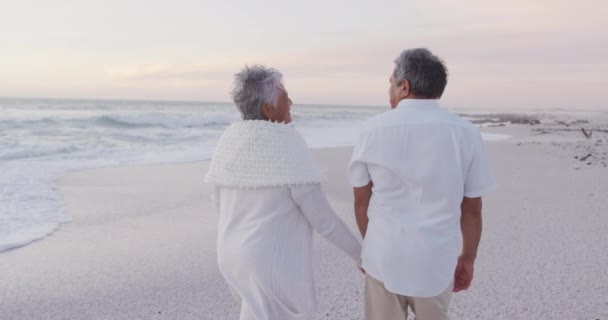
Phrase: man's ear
(267, 111)
(405, 89)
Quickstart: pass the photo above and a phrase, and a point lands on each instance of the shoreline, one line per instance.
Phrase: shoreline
(38, 197)
(526, 125)
(56, 181)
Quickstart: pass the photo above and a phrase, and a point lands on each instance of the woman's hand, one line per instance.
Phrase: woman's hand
(360, 267)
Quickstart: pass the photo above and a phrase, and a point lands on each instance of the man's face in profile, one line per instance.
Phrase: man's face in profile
(396, 92)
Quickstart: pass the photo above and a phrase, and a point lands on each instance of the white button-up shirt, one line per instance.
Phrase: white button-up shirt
(422, 161)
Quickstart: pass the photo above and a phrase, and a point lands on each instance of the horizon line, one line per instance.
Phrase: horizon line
(463, 108)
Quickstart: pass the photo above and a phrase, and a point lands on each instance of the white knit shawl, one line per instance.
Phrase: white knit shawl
(257, 153)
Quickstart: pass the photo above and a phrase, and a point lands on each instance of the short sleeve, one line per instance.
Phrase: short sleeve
(358, 173)
(479, 180)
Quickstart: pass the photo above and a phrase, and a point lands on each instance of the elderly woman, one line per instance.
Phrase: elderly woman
(269, 198)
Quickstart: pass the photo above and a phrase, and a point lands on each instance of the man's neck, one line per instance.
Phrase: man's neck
(418, 103)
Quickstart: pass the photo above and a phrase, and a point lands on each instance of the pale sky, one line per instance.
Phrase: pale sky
(500, 54)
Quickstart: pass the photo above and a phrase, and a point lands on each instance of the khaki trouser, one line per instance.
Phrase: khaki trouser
(381, 304)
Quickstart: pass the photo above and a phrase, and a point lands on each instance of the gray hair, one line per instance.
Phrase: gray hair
(253, 87)
(425, 72)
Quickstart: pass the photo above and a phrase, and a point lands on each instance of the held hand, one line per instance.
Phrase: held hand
(360, 267)
(463, 275)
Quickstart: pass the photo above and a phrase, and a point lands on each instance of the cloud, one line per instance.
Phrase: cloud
(189, 72)
(299, 64)
(488, 67)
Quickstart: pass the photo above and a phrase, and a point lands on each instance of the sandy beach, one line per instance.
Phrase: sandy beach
(142, 241)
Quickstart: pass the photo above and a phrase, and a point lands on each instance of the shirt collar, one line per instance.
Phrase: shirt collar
(419, 104)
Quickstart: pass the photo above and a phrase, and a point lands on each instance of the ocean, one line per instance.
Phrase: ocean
(43, 139)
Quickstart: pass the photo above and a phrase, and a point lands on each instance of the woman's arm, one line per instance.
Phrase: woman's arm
(316, 208)
(215, 199)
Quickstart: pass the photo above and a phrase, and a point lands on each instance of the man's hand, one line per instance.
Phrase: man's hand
(463, 275)
(470, 224)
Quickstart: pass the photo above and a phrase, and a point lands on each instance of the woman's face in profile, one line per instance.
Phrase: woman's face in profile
(284, 107)
(282, 111)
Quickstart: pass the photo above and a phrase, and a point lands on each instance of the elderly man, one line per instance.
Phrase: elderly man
(418, 173)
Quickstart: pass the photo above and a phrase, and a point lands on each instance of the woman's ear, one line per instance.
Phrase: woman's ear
(267, 111)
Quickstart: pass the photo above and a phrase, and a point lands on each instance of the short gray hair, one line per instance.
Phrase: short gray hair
(425, 72)
(253, 87)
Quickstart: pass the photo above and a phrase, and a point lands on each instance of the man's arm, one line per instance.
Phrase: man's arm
(362, 197)
(470, 226)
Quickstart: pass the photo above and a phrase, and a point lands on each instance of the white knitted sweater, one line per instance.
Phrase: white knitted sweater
(256, 153)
